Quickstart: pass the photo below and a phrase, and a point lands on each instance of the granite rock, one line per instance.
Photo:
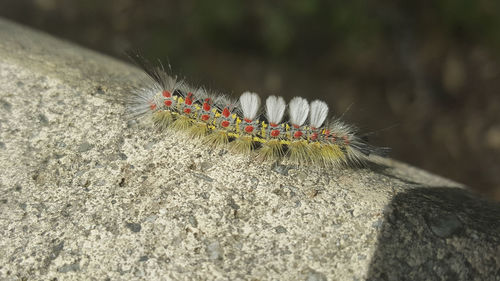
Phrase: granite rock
(86, 194)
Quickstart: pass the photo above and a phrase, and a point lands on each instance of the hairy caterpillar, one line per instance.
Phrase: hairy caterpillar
(270, 132)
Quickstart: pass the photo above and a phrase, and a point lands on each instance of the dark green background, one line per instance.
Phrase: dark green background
(422, 76)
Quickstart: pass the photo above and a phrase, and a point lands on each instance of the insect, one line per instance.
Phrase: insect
(299, 131)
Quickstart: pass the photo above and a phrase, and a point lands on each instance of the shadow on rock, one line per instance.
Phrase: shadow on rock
(438, 233)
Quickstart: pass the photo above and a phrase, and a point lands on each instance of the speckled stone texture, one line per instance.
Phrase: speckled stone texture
(87, 195)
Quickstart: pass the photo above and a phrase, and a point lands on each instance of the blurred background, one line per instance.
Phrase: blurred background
(422, 77)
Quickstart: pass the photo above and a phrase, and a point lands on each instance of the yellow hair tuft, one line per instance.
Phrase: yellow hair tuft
(162, 119)
(299, 152)
(243, 144)
(217, 138)
(198, 130)
(271, 150)
(182, 122)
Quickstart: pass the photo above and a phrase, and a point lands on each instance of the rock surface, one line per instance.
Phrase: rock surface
(87, 195)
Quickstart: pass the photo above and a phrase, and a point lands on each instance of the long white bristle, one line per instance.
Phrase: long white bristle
(275, 109)
(250, 103)
(298, 110)
(319, 112)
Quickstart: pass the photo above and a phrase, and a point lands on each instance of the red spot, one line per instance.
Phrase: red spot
(327, 134)
(334, 136)
(224, 124)
(189, 99)
(187, 110)
(249, 129)
(314, 136)
(297, 134)
(152, 106)
(167, 94)
(346, 140)
(205, 117)
(226, 112)
(296, 126)
(273, 124)
(275, 133)
(247, 120)
(168, 103)
(206, 107)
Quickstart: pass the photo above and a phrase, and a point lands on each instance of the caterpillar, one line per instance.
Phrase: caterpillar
(300, 131)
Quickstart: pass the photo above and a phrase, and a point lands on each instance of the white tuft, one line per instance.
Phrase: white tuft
(275, 109)
(319, 112)
(142, 99)
(250, 103)
(298, 110)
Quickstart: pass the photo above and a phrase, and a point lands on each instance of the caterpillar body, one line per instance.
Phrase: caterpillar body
(299, 131)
